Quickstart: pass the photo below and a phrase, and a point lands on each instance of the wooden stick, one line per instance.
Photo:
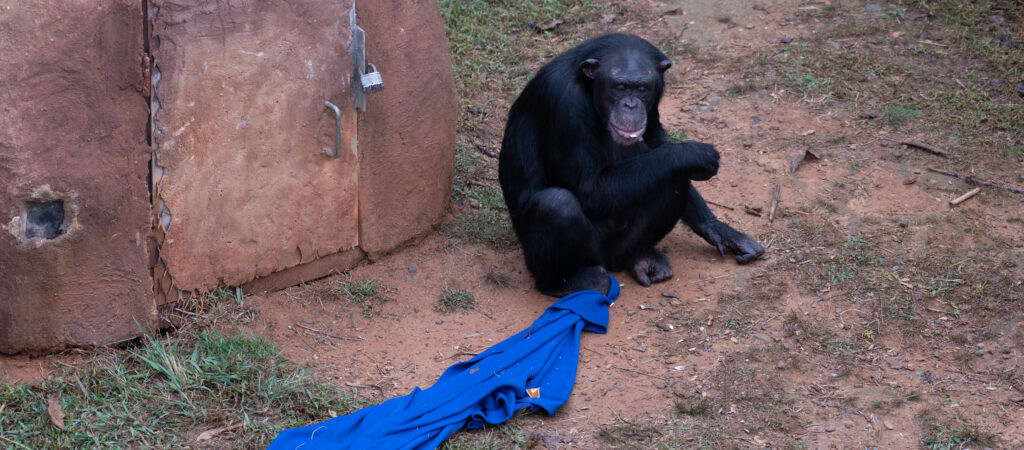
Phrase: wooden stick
(641, 373)
(775, 202)
(328, 334)
(963, 198)
(970, 179)
(928, 148)
(719, 205)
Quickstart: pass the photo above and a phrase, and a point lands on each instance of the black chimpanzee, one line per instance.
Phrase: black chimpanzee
(590, 178)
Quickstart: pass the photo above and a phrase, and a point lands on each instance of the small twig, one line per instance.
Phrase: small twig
(963, 198)
(775, 202)
(485, 332)
(458, 354)
(15, 443)
(642, 373)
(928, 148)
(328, 334)
(719, 205)
(186, 312)
(970, 179)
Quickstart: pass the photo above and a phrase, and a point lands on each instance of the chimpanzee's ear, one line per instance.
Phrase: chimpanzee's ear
(589, 67)
(664, 65)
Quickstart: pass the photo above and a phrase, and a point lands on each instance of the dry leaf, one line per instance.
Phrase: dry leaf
(55, 411)
(209, 434)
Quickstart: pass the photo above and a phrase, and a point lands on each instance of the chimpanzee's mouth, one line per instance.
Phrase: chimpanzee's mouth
(629, 134)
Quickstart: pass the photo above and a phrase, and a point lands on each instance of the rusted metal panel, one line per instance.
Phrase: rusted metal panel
(242, 184)
(75, 215)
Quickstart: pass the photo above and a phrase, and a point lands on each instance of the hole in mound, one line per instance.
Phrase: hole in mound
(45, 219)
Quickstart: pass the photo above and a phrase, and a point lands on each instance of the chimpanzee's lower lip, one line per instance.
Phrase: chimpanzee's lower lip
(631, 134)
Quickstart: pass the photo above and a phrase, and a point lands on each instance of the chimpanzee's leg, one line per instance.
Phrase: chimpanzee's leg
(627, 242)
(560, 244)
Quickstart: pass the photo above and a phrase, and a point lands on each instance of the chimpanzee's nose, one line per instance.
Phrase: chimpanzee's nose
(631, 103)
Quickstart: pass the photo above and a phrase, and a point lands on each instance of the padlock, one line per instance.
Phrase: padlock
(372, 82)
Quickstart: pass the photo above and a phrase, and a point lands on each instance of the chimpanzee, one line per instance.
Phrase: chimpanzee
(592, 181)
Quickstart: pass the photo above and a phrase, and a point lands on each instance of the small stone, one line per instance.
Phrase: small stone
(781, 365)
(904, 223)
(668, 294)
(888, 425)
(308, 321)
(830, 429)
(412, 268)
(1020, 89)
(749, 27)
(630, 313)
(427, 330)
(640, 348)
(937, 353)
(474, 203)
(714, 100)
(679, 368)
(972, 254)
(979, 352)
(733, 184)
(438, 322)
(665, 327)
(662, 303)
(873, 8)
(762, 337)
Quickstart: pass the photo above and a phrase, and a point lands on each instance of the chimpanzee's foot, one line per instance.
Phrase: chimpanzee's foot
(593, 278)
(651, 267)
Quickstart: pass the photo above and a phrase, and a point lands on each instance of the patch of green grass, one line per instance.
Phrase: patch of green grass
(166, 391)
(946, 437)
(498, 278)
(679, 136)
(490, 438)
(739, 89)
(365, 293)
(807, 83)
(692, 406)
(453, 299)
(897, 114)
(484, 35)
(487, 226)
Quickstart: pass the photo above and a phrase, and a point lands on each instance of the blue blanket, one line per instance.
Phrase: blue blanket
(534, 369)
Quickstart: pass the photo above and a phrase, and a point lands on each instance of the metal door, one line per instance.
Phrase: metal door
(242, 183)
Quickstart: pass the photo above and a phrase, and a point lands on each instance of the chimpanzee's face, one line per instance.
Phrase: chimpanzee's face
(626, 86)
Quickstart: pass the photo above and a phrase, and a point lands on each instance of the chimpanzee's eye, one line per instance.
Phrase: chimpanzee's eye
(620, 87)
(641, 88)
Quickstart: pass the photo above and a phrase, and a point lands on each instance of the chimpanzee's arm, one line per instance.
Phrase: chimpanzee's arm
(699, 218)
(631, 181)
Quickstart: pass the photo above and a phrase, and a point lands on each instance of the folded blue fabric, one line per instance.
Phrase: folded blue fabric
(534, 369)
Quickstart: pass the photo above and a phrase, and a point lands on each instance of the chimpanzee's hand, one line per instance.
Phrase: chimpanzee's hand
(724, 238)
(703, 160)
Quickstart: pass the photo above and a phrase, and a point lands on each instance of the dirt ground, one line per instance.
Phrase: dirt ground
(844, 336)
(880, 317)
